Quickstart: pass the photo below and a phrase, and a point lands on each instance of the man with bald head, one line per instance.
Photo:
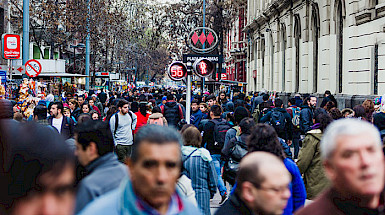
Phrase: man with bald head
(263, 186)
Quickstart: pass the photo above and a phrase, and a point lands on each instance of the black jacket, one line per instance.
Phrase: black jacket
(208, 137)
(288, 135)
(172, 112)
(234, 205)
(67, 127)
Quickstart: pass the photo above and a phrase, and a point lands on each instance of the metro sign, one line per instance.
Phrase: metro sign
(11, 46)
(202, 40)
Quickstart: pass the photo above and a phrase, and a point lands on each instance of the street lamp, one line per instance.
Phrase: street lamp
(80, 45)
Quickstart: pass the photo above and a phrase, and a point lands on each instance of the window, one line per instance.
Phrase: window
(297, 36)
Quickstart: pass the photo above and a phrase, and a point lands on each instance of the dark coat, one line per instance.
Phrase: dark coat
(234, 205)
(67, 127)
(172, 112)
(306, 119)
(331, 202)
(288, 135)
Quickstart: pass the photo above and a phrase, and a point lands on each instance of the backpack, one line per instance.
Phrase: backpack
(220, 129)
(296, 117)
(237, 152)
(278, 121)
(157, 121)
(117, 121)
(256, 115)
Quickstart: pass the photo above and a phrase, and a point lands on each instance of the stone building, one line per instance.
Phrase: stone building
(309, 46)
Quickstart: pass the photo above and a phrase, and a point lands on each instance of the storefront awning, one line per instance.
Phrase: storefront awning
(60, 75)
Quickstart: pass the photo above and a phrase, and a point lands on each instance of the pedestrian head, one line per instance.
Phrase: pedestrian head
(215, 111)
(155, 164)
(211, 100)
(327, 93)
(203, 107)
(263, 183)
(86, 108)
(123, 106)
(73, 104)
(351, 151)
(156, 109)
(278, 103)
(192, 137)
(359, 112)
(56, 109)
(264, 138)
(81, 99)
(66, 112)
(322, 118)
(94, 115)
(291, 101)
(310, 101)
(246, 125)
(195, 105)
(265, 97)
(37, 170)
(40, 112)
(93, 140)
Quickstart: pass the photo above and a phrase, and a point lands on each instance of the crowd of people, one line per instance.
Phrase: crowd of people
(133, 152)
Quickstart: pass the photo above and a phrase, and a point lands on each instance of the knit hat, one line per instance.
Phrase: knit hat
(240, 113)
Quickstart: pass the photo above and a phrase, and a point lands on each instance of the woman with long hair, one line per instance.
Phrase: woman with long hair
(74, 108)
(264, 138)
(86, 108)
(198, 166)
(309, 159)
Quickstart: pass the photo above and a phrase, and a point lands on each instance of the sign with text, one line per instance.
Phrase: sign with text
(11, 46)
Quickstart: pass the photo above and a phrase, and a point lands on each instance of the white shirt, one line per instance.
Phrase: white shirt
(57, 123)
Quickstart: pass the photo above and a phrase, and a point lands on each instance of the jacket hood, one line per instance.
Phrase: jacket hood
(229, 107)
(283, 110)
(170, 104)
(316, 133)
(156, 115)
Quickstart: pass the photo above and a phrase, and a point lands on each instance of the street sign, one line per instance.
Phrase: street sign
(194, 57)
(202, 40)
(3, 77)
(11, 46)
(203, 67)
(177, 71)
(32, 68)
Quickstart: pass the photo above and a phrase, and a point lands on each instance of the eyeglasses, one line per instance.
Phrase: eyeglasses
(278, 190)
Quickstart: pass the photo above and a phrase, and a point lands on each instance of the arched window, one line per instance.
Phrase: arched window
(297, 37)
(340, 16)
(283, 48)
(315, 37)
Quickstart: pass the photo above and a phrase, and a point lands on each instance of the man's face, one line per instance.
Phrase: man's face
(56, 196)
(211, 102)
(194, 107)
(124, 110)
(357, 165)
(155, 174)
(202, 108)
(54, 111)
(222, 96)
(313, 102)
(272, 196)
(81, 100)
(82, 154)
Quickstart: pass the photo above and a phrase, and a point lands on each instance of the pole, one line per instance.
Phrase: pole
(188, 99)
(74, 67)
(25, 31)
(203, 45)
(88, 48)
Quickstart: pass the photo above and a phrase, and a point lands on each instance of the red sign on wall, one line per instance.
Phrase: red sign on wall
(254, 73)
(11, 46)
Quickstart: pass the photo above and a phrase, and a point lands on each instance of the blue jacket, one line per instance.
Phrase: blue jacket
(122, 201)
(99, 180)
(297, 188)
(196, 118)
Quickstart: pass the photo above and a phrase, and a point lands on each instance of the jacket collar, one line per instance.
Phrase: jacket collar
(236, 200)
(100, 161)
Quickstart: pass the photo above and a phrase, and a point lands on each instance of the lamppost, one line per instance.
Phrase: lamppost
(80, 45)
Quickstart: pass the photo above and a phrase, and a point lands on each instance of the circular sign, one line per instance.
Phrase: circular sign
(32, 68)
(202, 40)
(203, 67)
(177, 71)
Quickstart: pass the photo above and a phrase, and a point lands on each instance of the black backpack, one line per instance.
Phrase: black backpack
(278, 121)
(237, 152)
(220, 128)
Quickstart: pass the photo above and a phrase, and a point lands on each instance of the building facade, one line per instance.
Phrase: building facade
(309, 46)
(235, 46)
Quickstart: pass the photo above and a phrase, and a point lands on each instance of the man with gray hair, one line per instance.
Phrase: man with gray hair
(354, 163)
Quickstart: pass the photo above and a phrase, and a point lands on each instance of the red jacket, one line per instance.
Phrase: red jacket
(141, 121)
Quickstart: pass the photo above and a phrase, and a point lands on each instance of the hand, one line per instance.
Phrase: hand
(289, 142)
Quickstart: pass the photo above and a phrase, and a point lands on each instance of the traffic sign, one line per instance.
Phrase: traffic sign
(11, 46)
(32, 68)
(3, 77)
(177, 71)
(203, 67)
